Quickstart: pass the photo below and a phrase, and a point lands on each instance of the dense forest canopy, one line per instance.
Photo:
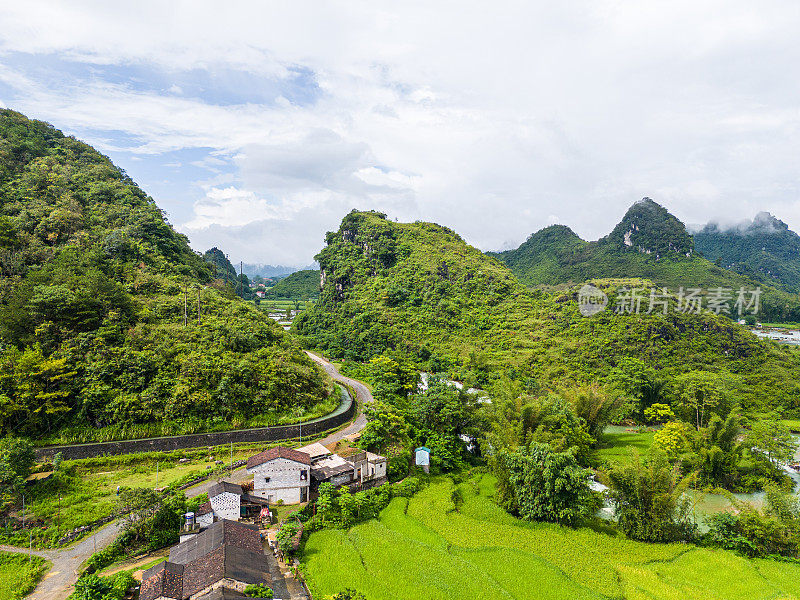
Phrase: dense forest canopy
(418, 288)
(648, 243)
(99, 302)
(301, 285)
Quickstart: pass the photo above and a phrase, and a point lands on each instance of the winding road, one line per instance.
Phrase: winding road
(58, 581)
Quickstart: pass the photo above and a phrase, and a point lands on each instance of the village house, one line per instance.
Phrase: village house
(226, 501)
(280, 474)
(218, 563)
(358, 469)
(291, 475)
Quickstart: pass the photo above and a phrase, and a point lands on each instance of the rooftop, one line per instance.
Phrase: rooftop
(315, 451)
(330, 467)
(278, 452)
(222, 487)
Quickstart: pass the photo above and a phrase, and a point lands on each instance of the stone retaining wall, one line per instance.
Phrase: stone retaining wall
(343, 414)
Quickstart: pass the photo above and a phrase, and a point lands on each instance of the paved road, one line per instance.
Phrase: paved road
(58, 582)
(64, 572)
(363, 395)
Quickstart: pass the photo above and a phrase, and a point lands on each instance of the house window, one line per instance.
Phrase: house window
(266, 479)
(304, 475)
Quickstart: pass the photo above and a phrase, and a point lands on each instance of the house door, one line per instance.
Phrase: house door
(303, 494)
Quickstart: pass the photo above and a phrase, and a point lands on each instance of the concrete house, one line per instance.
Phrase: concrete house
(218, 563)
(356, 470)
(280, 474)
(368, 466)
(226, 500)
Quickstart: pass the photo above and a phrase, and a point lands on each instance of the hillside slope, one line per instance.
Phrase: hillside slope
(647, 243)
(301, 285)
(419, 288)
(764, 248)
(96, 287)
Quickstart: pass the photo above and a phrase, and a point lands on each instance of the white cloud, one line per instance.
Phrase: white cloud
(488, 120)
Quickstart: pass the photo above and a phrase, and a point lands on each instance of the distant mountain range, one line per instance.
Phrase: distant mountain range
(764, 248)
(266, 271)
(651, 243)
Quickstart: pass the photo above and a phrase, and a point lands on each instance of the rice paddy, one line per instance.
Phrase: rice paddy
(429, 548)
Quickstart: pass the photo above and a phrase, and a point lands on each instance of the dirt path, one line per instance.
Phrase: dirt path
(57, 583)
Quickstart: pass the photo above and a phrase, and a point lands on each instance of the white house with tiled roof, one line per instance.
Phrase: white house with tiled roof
(280, 474)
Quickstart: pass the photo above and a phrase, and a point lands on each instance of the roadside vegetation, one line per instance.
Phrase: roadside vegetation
(19, 574)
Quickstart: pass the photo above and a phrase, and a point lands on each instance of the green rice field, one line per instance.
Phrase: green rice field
(427, 548)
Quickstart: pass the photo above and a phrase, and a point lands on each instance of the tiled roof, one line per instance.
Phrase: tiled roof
(226, 550)
(224, 486)
(163, 580)
(221, 593)
(218, 534)
(315, 450)
(203, 509)
(278, 452)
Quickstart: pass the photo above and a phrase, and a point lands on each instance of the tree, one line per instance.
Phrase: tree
(539, 484)
(138, 505)
(16, 461)
(258, 591)
(671, 439)
(648, 499)
(658, 413)
(772, 439)
(700, 393)
(386, 427)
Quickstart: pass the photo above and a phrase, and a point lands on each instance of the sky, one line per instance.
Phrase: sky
(258, 125)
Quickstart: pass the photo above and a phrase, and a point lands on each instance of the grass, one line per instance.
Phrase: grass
(87, 488)
(427, 548)
(19, 574)
(616, 447)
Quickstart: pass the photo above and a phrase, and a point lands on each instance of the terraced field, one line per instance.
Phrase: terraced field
(453, 542)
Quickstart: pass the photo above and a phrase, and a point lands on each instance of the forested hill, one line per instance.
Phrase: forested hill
(419, 290)
(764, 248)
(648, 243)
(301, 285)
(99, 332)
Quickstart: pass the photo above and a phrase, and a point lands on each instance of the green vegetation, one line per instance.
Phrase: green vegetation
(417, 288)
(19, 574)
(764, 248)
(652, 244)
(94, 587)
(452, 541)
(82, 491)
(301, 285)
(99, 296)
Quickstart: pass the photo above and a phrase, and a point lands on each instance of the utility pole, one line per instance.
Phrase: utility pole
(185, 315)
(198, 306)
(156, 475)
(241, 281)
